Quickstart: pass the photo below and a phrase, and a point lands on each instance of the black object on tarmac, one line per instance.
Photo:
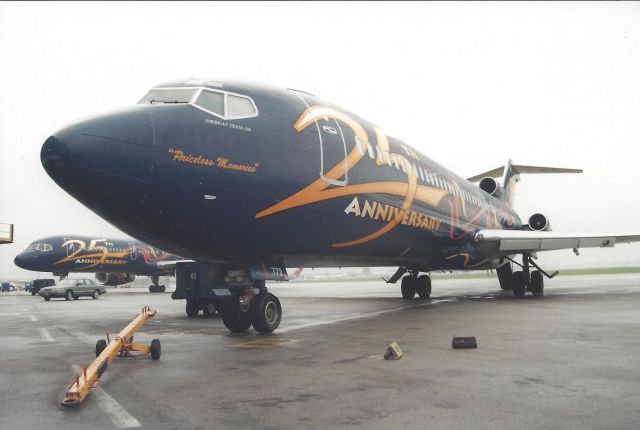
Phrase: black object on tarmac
(464, 343)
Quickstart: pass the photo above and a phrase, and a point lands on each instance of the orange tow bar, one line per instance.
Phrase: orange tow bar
(121, 345)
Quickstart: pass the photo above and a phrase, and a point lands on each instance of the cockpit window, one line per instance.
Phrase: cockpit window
(169, 95)
(216, 102)
(40, 247)
(239, 107)
(211, 101)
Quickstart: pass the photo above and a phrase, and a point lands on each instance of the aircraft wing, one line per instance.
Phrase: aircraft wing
(508, 242)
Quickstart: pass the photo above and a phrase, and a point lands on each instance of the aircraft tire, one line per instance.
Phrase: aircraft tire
(100, 346)
(519, 285)
(408, 287)
(265, 313)
(233, 318)
(68, 295)
(192, 308)
(537, 284)
(423, 286)
(209, 310)
(155, 349)
(163, 288)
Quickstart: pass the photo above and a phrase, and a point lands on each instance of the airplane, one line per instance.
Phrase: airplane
(245, 179)
(114, 261)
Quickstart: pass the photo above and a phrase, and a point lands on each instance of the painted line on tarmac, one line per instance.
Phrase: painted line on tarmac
(358, 316)
(114, 410)
(33, 318)
(45, 334)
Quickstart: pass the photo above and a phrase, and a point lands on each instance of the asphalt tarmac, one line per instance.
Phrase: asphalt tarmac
(568, 360)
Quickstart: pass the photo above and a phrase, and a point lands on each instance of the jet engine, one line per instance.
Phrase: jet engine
(113, 279)
(539, 222)
(490, 186)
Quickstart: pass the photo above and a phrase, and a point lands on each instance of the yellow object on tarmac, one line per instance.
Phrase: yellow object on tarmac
(121, 345)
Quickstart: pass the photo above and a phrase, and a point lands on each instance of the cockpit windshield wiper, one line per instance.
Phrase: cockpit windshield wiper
(152, 101)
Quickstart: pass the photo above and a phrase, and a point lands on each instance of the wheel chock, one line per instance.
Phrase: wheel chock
(393, 352)
(464, 343)
(122, 345)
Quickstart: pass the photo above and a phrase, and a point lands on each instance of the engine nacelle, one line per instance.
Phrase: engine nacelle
(113, 279)
(490, 186)
(539, 222)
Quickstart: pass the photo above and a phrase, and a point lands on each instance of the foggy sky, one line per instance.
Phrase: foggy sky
(470, 85)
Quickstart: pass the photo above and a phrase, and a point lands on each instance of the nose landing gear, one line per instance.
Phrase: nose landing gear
(257, 307)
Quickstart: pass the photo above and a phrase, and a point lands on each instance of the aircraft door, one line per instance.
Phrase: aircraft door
(134, 251)
(333, 150)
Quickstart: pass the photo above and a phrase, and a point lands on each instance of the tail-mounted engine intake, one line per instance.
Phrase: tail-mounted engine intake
(490, 186)
(539, 222)
(113, 279)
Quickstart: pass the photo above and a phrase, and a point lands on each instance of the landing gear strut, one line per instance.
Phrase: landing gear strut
(526, 279)
(412, 284)
(209, 308)
(155, 288)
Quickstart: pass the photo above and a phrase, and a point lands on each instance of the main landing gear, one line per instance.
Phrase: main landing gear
(155, 288)
(412, 284)
(524, 280)
(254, 307)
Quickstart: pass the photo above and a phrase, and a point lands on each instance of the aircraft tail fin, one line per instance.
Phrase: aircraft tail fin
(510, 176)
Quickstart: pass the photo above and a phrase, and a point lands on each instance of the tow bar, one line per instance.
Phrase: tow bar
(121, 345)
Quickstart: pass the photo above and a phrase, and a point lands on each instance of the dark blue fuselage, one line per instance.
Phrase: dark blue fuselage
(299, 179)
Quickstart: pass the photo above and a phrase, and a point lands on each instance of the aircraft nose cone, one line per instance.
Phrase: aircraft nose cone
(104, 162)
(19, 261)
(56, 161)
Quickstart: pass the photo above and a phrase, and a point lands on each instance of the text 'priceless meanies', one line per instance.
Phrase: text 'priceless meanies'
(220, 162)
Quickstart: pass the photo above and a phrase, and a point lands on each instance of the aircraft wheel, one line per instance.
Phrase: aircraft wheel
(192, 308)
(423, 286)
(519, 284)
(68, 295)
(233, 318)
(209, 310)
(47, 298)
(151, 288)
(155, 349)
(265, 313)
(537, 283)
(100, 346)
(408, 287)
(163, 288)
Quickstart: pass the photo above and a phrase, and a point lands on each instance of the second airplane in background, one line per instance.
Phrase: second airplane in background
(114, 261)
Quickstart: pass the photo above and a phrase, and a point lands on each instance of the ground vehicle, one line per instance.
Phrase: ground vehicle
(6, 287)
(73, 289)
(40, 283)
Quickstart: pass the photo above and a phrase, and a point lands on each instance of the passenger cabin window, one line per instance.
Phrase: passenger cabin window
(239, 107)
(162, 95)
(211, 101)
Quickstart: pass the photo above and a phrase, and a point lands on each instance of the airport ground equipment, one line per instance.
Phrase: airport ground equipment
(122, 345)
(464, 343)
(6, 233)
(394, 352)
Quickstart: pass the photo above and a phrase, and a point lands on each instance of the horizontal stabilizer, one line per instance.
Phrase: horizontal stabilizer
(519, 168)
(496, 243)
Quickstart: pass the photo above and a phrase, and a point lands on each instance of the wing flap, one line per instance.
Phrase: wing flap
(505, 242)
